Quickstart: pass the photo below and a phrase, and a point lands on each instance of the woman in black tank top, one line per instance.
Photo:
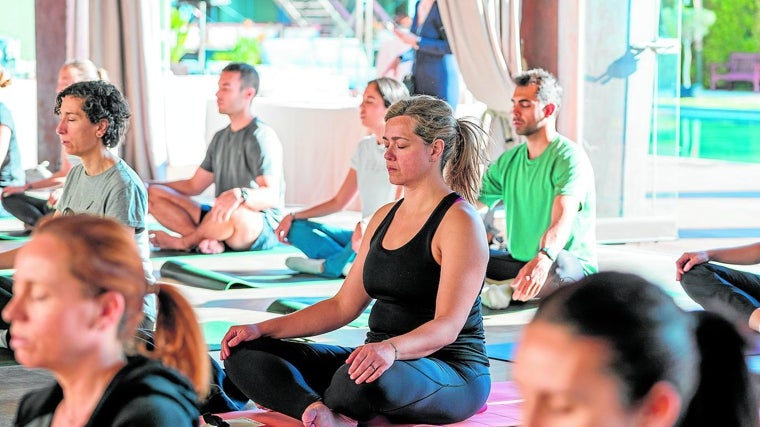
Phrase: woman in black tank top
(424, 357)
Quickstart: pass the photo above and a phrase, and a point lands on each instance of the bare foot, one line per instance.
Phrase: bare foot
(164, 240)
(210, 246)
(754, 320)
(319, 415)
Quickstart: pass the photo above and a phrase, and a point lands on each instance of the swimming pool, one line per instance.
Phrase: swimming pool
(710, 133)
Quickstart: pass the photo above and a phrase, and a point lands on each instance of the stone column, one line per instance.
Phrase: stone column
(50, 42)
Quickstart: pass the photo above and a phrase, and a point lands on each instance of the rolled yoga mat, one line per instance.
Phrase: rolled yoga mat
(15, 235)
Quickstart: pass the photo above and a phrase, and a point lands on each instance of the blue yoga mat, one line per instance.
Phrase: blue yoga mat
(506, 352)
(502, 351)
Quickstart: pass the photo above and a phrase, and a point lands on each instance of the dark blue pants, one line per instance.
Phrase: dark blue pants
(288, 376)
(722, 289)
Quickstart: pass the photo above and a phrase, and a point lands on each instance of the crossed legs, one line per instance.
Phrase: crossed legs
(310, 382)
(182, 215)
(719, 288)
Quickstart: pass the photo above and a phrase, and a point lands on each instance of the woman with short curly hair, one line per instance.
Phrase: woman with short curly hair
(93, 118)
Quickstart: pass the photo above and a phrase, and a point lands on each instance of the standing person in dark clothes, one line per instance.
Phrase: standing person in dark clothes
(434, 71)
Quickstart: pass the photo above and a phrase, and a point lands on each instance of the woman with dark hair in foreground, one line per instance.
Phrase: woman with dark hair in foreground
(615, 350)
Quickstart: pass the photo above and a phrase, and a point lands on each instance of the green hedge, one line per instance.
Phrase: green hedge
(736, 29)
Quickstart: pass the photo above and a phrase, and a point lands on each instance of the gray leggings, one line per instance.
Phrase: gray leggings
(288, 376)
(721, 289)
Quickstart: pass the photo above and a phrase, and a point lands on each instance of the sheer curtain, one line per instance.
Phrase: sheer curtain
(123, 37)
(485, 38)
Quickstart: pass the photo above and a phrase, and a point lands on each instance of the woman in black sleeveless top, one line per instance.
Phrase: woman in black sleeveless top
(424, 359)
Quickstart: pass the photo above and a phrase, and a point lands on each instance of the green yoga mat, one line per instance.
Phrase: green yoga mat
(214, 330)
(217, 280)
(289, 305)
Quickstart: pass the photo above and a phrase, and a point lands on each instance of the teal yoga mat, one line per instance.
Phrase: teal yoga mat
(214, 330)
(289, 305)
(15, 235)
(168, 254)
(217, 280)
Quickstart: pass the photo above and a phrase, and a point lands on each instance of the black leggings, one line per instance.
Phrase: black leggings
(565, 270)
(289, 376)
(26, 208)
(719, 288)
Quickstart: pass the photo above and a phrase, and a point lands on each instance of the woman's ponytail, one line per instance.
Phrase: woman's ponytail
(178, 339)
(724, 396)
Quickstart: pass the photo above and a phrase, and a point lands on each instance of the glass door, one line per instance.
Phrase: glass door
(631, 116)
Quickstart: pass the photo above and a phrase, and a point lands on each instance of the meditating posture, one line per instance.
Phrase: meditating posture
(547, 187)
(423, 264)
(434, 71)
(331, 250)
(244, 162)
(723, 289)
(11, 170)
(78, 292)
(615, 350)
(94, 117)
(27, 207)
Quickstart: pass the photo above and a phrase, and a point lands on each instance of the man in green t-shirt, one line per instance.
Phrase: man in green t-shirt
(547, 187)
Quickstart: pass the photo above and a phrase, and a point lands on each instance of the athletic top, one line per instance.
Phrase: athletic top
(405, 281)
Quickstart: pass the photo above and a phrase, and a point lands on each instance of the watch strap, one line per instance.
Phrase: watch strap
(549, 252)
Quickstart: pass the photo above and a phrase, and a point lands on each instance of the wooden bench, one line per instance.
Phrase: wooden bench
(741, 67)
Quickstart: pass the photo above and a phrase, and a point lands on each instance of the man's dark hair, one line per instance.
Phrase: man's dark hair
(549, 91)
(249, 77)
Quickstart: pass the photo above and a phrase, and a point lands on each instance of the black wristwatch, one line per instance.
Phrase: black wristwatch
(550, 253)
(244, 194)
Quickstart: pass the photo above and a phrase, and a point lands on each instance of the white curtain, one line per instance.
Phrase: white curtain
(485, 38)
(124, 38)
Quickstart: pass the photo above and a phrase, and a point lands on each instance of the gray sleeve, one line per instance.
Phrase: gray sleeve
(208, 162)
(128, 205)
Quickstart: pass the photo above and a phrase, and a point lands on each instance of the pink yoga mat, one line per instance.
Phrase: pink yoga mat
(503, 410)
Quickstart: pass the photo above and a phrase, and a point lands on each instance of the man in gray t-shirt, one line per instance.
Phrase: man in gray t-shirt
(244, 162)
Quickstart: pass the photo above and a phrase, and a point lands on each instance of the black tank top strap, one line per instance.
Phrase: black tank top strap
(430, 226)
